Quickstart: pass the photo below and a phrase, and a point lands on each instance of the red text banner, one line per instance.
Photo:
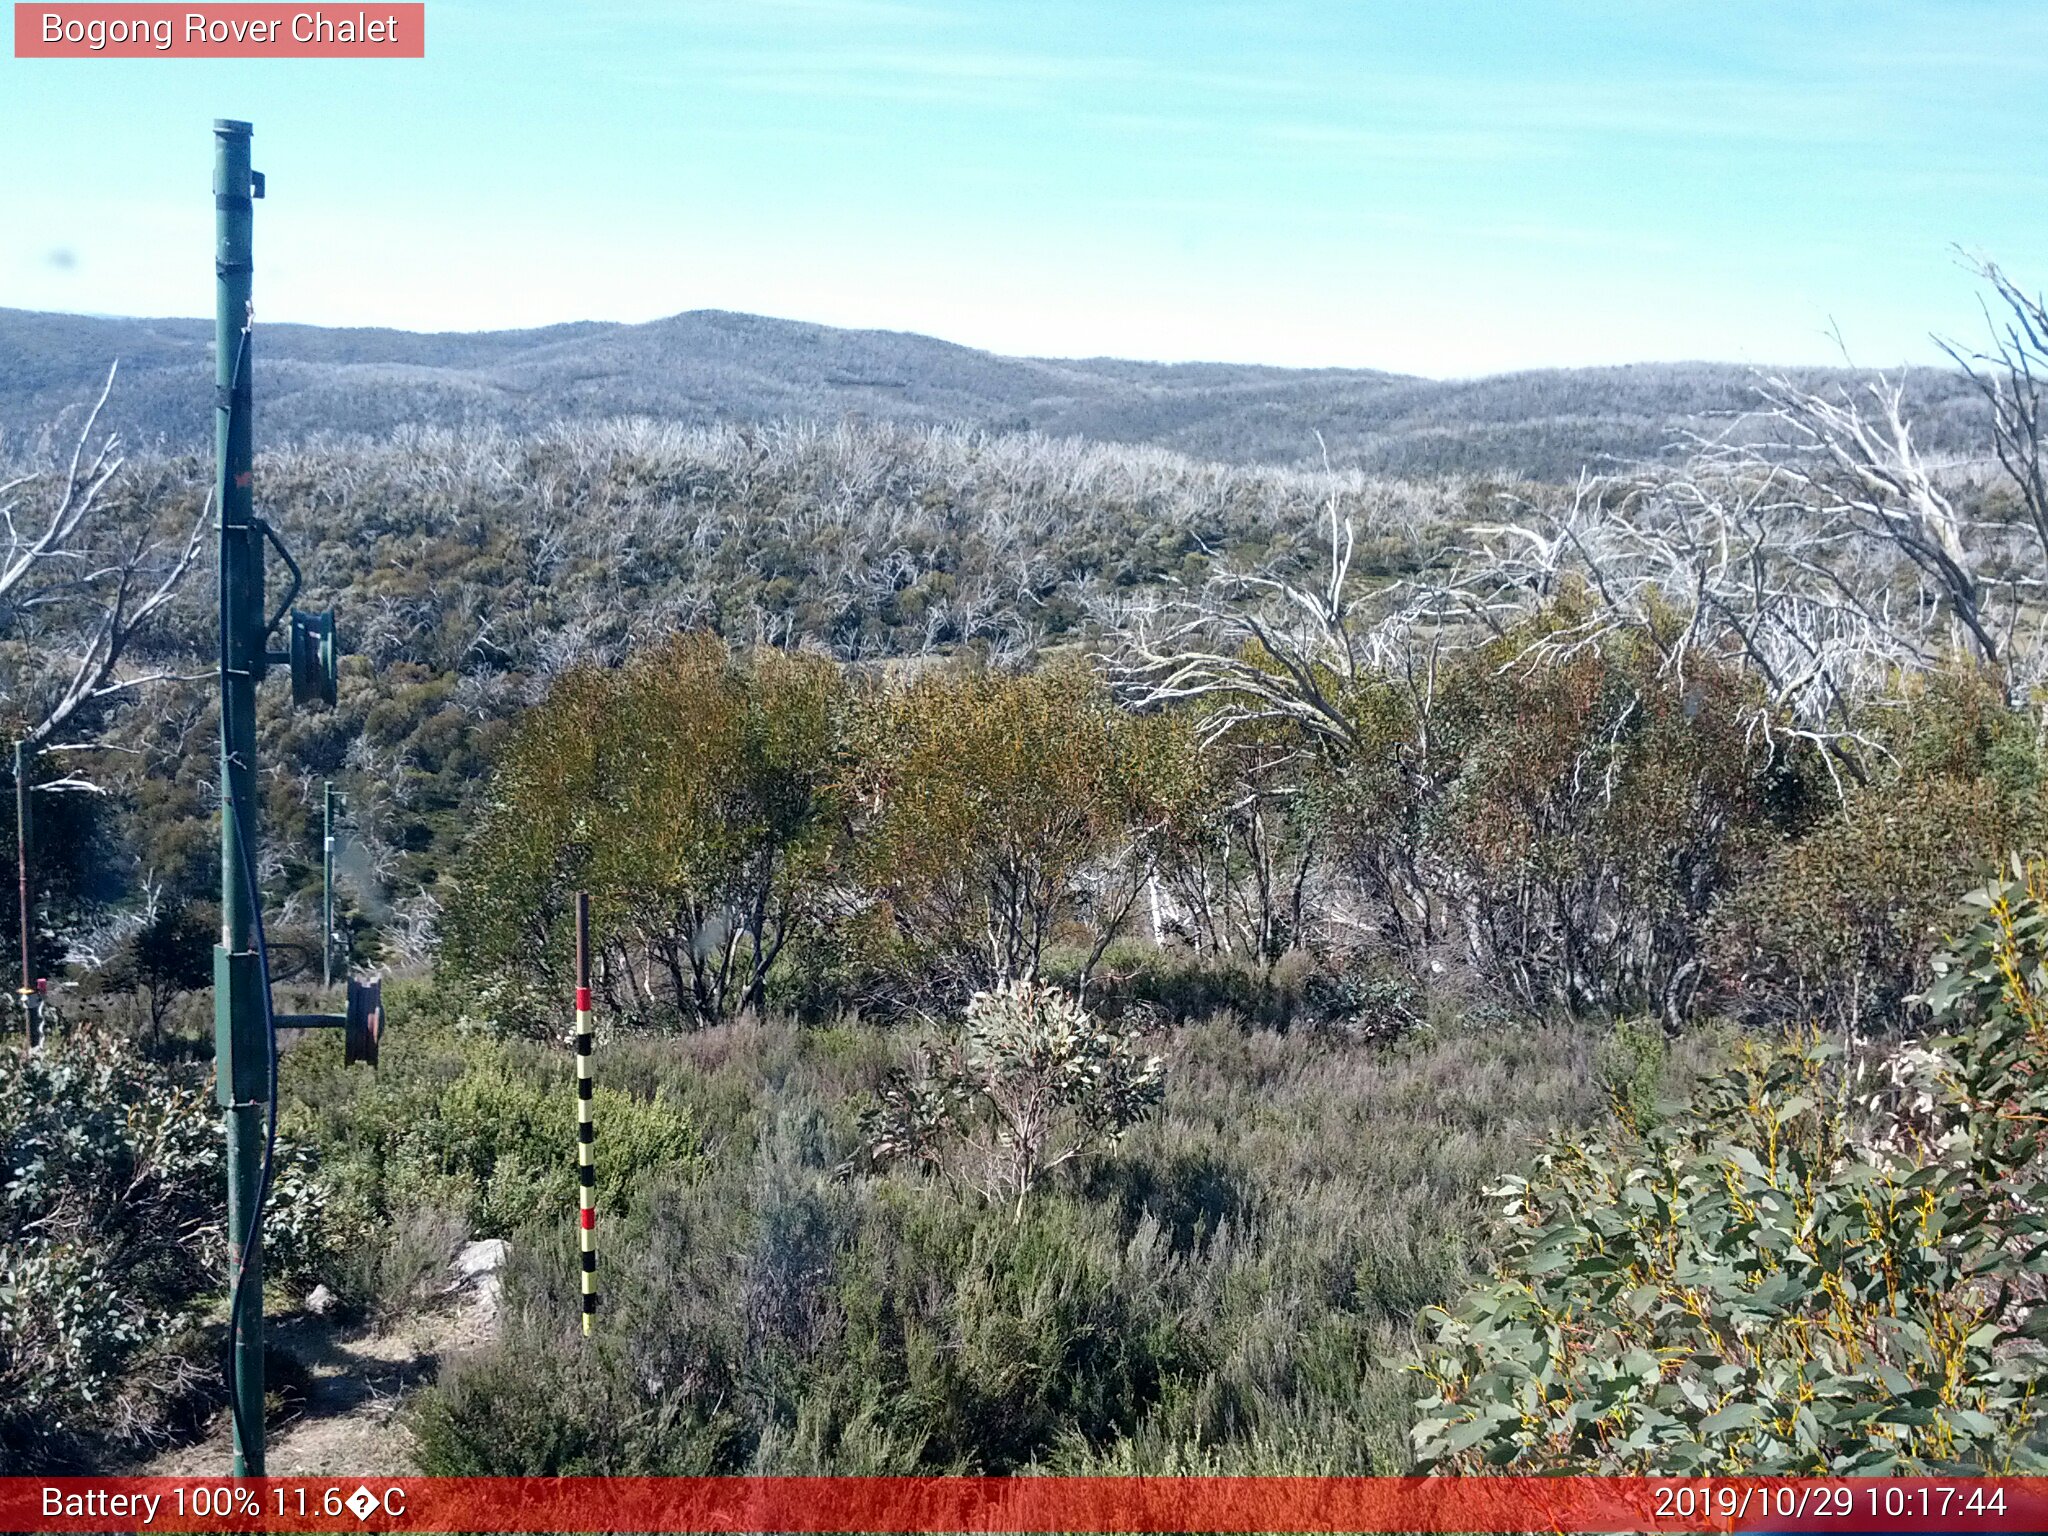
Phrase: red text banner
(1026, 1504)
(234, 31)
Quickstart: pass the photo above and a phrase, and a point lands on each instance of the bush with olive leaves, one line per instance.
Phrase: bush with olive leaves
(1822, 1266)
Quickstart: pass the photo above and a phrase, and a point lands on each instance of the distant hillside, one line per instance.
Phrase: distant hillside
(709, 365)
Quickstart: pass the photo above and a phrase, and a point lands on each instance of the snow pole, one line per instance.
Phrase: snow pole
(586, 1131)
(327, 882)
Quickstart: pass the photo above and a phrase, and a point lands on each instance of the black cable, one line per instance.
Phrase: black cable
(253, 1233)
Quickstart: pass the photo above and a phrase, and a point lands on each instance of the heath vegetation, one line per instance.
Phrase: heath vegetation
(1107, 962)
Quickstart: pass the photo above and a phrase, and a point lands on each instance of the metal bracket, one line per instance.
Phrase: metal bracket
(243, 1076)
(363, 1024)
(298, 581)
(314, 655)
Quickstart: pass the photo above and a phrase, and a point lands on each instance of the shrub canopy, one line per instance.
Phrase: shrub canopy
(1814, 1270)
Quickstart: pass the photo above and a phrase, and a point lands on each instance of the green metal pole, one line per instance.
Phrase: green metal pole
(327, 883)
(240, 1050)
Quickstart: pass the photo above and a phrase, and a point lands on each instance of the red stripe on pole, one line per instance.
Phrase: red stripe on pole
(583, 999)
(587, 1219)
(1038, 1504)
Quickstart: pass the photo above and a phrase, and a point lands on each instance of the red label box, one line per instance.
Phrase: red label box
(239, 31)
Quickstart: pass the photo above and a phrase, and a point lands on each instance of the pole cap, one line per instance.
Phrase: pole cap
(231, 126)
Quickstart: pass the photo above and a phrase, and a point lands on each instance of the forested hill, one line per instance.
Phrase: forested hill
(709, 366)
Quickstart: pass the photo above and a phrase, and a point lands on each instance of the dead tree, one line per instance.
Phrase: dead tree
(2010, 376)
(1258, 648)
(78, 589)
(1855, 461)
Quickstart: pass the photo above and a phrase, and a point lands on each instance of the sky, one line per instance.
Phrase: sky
(1443, 187)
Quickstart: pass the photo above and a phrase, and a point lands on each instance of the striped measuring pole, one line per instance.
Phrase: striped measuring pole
(586, 1130)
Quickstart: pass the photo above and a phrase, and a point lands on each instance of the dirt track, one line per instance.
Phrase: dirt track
(348, 1424)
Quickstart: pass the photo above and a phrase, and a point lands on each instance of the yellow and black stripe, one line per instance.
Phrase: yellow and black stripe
(586, 1129)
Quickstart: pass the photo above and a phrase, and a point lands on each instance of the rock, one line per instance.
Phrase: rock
(319, 1301)
(476, 1260)
(476, 1270)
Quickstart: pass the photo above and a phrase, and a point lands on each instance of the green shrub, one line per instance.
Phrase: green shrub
(693, 794)
(480, 1128)
(1630, 1067)
(997, 812)
(398, 1265)
(1033, 1082)
(111, 1194)
(1839, 924)
(164, 959)
(821, 1325)
(1798, 1274)
(1177, 985)
(1574, 821)
(1231, 1290)
(111, 1206)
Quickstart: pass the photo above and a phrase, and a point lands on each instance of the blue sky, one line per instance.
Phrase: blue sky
(1445, 187)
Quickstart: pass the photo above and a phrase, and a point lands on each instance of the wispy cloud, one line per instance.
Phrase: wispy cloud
(915, 72)
(902, 13)
(1470, 145)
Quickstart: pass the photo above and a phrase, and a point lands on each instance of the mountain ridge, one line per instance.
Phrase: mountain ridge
(702, 366)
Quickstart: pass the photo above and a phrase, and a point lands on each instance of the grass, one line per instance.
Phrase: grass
(1234, 1290)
